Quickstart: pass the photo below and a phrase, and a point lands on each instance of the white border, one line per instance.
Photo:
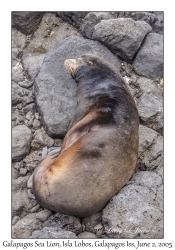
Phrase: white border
(5, 95)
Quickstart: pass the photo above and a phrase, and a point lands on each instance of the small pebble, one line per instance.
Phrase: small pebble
(30, 181)
(35, 208)
(31, 196)
(17, 165)
(37, 116)
(23, 171)
(15, 220)
(36, 124)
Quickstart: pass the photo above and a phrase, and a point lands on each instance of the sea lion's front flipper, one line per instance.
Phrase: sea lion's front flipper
(83, 127)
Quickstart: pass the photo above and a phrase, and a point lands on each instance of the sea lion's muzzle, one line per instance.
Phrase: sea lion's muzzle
(71, 65)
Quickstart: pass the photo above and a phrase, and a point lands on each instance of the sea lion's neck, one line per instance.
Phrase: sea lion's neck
(98, 87)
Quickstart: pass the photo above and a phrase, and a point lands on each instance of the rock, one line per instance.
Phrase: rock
(30, 181)
(29, 99)
(153, 158)
(159, 197)
(43, 215)
(58, 142)
(158, 23)
(26, 21)
(15, 54)
(29, 115)
(92, 221)
(154, 19)
(149, 86)
(149, 60)
(158, 166)
(53, 233)
(17, 73)
(151, 111)
(99, 229)
(36, 124)
(30, 195)
(32, 160)
(146, 138)
(133, 212)
(15, 173)
(75, 18)
(123, 36)
(19, 183)
(29, 107)
(18, 165)
(51, 30)
(138, 15)
(18, 40)
(15, 220)
(15, 98)
(35, 208)
(21, 138)
(32, 64)
(20, 94)
(87, 235)
(25, 84)
(37, 116)
(24, 227)
(21, 204)
(147, 178)
(66, 222)
(56, 91)
(93, 18)
(16, 116)
(23, 171)
(19, 106)
(41, 139)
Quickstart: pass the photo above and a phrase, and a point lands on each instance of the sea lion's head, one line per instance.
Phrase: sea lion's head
(89, 66)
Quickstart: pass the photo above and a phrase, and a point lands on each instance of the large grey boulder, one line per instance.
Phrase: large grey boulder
(136, 212)
(56, 94)
(26, 21)
(149, 60)
(21, 138)
(123, 36)
(155, 20)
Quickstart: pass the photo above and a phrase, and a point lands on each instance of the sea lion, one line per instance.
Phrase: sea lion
(99, 152)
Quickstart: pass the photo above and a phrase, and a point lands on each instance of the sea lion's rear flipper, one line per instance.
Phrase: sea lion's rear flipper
(46, 152)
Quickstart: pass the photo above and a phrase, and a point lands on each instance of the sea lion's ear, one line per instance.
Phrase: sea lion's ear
(90, 63)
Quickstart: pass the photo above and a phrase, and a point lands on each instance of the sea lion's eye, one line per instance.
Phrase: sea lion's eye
(90, 63)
